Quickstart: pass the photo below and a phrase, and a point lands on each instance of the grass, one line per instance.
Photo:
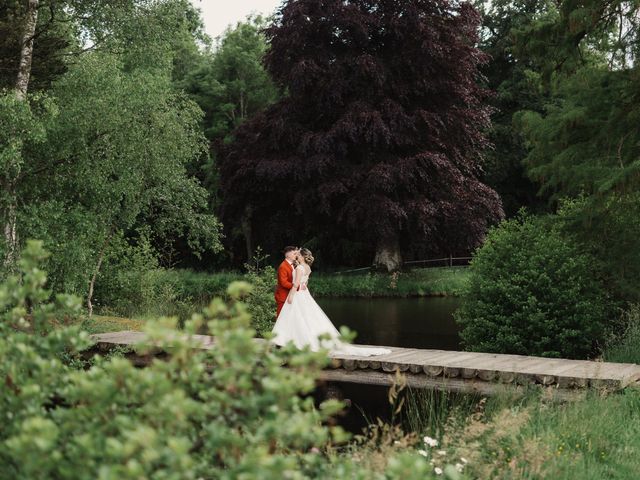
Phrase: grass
(103, 324)
(529, 437)
(591, 439)
(200, 287)
(421, 282)
(180, 292)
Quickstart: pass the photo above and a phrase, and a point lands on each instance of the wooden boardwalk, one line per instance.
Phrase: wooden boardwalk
(483, 373)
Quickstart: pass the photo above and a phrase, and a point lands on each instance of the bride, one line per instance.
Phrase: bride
(302, 321)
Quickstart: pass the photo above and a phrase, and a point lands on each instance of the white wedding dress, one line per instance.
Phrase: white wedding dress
(302, 321)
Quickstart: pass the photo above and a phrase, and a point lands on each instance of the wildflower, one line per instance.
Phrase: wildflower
(424, 453)
(464, 460)
(438, 470)
(459, 467)
(432, 442)
(441, 452)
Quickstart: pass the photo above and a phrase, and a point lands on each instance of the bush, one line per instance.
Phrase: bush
(261, 302)
(609, 230)
(228, 412)
(532, 292)
(624, 347)
(132, 283)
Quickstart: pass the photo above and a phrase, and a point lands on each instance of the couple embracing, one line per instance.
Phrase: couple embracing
(300, 319)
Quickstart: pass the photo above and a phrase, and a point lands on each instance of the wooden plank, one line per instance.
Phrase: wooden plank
(456, 365)
(438, 365)
(490, 370)
(537, 370)
(415, 360)
(372, 364)
(627, 374)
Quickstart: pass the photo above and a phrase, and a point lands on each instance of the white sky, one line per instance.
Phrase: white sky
(218, 14)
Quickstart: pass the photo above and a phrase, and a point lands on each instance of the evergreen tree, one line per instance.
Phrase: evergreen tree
(515, 78)
(585, 143)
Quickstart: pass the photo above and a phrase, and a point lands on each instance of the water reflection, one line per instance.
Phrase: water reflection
(401, 322)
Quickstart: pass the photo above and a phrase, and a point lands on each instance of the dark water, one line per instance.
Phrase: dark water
(397, 322)
(400, 322)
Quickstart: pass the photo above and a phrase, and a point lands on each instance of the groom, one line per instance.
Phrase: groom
(285, 277)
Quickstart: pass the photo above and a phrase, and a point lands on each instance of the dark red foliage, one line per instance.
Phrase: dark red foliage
(381, 131)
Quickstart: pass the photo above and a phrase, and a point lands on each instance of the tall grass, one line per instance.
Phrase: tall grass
(427, 411)
(592, 439)
(625, 348)
(528, 436)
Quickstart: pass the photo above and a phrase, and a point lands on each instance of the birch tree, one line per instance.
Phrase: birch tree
(12, 154)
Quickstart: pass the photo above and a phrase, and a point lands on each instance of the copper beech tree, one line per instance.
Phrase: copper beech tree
(380, 132)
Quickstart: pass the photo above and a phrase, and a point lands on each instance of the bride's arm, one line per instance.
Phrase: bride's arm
(296, 283)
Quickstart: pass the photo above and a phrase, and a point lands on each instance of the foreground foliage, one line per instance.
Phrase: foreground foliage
(228, 412)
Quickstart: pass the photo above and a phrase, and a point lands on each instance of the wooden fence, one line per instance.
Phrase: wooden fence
(432, 262)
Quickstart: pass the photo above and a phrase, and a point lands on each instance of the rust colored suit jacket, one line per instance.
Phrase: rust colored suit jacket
(285, 281)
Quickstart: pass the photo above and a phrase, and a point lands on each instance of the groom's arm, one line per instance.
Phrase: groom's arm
(283, 278)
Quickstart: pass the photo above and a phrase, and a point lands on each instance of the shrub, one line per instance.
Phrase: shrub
(132, 283)
(532, 292)
(624, 347)
(261, 302)
(609, 230)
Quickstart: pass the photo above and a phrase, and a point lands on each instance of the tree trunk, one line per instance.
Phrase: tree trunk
(10, 231)
(21, 87)
(92, 283)
(245, 224)
(26, 52)
(388, 257)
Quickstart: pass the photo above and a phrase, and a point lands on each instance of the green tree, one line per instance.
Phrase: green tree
(231, 83)
(120, 152)
(115, 155)
(584, 144)
(516, 80)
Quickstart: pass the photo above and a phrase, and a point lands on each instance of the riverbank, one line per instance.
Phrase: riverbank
(423, 282)
(199, 287)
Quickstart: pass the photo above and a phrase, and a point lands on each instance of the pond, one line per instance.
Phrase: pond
(397, 322)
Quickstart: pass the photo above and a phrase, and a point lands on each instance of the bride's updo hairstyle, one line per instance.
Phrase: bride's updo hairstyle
(306, 254)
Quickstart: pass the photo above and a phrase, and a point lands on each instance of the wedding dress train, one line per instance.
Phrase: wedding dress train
(303, 322)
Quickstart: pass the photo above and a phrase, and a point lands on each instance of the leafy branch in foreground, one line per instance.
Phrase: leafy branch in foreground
(228, 412)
